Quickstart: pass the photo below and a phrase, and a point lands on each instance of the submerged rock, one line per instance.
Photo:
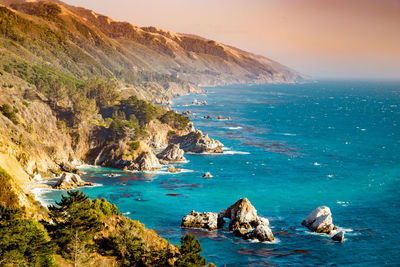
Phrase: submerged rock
(205, 220)
(70, 181)
(320, 221)
(208, 117)
(172, 169)
(207, 175)
(198, 143)
(339, 237)
(172, 153)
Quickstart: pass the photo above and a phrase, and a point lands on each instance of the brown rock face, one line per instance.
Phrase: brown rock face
(241, 213)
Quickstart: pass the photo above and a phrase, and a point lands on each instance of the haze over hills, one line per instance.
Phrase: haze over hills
(154, 63)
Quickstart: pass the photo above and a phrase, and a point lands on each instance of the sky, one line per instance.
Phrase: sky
(321, 38)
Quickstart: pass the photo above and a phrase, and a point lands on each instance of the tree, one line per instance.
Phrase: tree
(190, 252)
(74, 224)
(23, 242)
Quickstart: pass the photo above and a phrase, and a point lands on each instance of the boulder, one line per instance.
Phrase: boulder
(320, 220)
(70, 181)
(241, 214)
(338, 237)
(205, 220)
(261, 233)
(187, 112)
(172, 153)
(208, 117)
(207, 175)
(146, 161)
(172, 169)
(190, 127)
(197, 142)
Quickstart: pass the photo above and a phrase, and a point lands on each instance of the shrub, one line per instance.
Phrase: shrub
(133, 146)
(190, 252)
(8, 198)
(7, 111)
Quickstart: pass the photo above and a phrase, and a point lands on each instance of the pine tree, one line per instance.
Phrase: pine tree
(190, 252)
(73, 220)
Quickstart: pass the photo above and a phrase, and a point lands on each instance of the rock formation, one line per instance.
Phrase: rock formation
(70, 181)
(197, 142)
(244, 221)
(205, 220)
(320, 221)
(172, 153)
(146, 162)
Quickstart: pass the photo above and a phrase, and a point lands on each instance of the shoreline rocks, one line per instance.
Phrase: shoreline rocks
(320, 221)
(172, 153)
(70, 181)
(172, 169)
(146, 162)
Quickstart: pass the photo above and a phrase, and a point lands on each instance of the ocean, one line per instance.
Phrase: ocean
(289, 149)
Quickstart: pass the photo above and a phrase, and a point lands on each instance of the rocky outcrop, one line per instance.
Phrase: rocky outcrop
(205, 220)
(320, 221)
(190, 127)
(244, 221)
(172, 153)
(338, 237)
(197, 142)
(146, 161)
(70, 181)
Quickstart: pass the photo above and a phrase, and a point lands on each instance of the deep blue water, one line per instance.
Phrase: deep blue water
(328, 143)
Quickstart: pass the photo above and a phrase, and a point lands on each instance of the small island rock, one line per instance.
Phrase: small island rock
(197, 142)
(146, 162)
(172, 169)
(207, 175)
(320, 220)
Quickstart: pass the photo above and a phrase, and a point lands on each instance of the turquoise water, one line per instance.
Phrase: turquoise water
(291, 148)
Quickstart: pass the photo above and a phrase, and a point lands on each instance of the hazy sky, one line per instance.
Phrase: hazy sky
(322, 38)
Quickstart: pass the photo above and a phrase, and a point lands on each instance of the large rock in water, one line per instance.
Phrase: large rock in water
(197, 142)
(261, 233)
(205, 220)
(146, 161)
(70, 181)
(320, 220)
(172, 153)
(339, 237)
(242, 214)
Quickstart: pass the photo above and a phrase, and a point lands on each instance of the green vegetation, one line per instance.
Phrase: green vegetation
(23, 242)
(175, 120)
(133, 146)
(10, 113)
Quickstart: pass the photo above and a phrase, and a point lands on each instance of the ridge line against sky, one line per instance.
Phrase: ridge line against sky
(321, 38)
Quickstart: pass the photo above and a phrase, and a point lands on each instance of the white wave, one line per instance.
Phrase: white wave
(234, 128)
(87, 166)
(126, 213)
(233, 152)
(289, 134)
(316, 164)
(111, 175)
(38, 193)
